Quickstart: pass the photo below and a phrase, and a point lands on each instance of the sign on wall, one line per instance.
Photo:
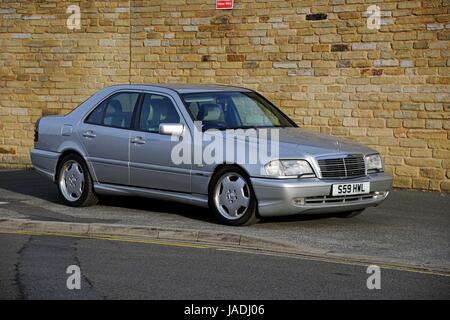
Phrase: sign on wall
(224, 4)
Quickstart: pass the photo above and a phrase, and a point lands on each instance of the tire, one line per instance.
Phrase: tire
(74, 182)
(229, 188)
(349, 214)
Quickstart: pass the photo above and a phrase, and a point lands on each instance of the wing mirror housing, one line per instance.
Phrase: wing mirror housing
(171, 129)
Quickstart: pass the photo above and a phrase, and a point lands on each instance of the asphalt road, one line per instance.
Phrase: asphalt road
(34, 267)
(410, 227)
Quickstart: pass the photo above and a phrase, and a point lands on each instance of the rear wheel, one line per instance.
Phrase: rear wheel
(75, 183)
(231, 197)
(349, 214)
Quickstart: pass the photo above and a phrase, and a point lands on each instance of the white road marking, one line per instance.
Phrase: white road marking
(1, 202)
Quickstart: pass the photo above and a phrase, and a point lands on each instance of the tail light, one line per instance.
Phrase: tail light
(36, 131)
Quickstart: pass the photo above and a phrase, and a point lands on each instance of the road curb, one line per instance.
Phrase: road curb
(222, 239)
(94, 230)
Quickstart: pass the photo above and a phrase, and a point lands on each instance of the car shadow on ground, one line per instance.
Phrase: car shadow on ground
(298, 217)
(30, 183)
(159, 206)
(190, 211)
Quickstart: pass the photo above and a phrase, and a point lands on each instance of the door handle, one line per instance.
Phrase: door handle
(89, 134)
(138, 140)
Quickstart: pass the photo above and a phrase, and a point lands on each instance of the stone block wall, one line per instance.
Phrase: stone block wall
(317, 60)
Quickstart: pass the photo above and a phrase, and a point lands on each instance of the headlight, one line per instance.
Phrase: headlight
(374, 163)
(289, 168)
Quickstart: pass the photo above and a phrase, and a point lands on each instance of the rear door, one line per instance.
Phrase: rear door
(105, 135)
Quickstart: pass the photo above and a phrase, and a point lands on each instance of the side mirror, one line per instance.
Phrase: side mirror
(171, 129)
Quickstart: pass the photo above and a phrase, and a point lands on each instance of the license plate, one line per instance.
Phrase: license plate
(350, 188)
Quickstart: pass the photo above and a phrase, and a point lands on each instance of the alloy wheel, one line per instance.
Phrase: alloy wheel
(232, 196)
(71, 180)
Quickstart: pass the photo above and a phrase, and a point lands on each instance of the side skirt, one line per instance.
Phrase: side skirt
(194, 199)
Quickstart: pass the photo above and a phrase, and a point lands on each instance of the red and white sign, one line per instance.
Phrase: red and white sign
(224, 4)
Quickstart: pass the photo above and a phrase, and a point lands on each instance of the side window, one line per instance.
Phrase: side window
(157, 109)
(193, 109)
(116, 111)
(119, 110)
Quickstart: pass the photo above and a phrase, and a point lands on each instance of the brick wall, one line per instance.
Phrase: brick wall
(45, 68)
(317, 60)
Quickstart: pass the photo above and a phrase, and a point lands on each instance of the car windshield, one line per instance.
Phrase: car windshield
(234, 110)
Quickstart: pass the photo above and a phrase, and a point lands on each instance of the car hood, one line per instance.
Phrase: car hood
(298, 142)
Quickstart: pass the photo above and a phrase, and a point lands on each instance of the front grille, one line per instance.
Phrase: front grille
(340, 199)
(345, 167)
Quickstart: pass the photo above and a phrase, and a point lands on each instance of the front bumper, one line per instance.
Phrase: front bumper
(278, 197)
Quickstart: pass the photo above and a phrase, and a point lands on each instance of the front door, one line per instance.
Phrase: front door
(151, 164)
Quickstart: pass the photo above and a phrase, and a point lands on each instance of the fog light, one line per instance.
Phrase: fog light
(380, 194)
(299, 201)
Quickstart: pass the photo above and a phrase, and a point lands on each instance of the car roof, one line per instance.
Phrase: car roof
(184, 88)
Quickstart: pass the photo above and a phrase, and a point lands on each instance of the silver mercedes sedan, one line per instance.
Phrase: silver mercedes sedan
(222, 147)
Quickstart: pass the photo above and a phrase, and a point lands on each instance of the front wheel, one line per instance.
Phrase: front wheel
(231, 197)
(74, 182)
